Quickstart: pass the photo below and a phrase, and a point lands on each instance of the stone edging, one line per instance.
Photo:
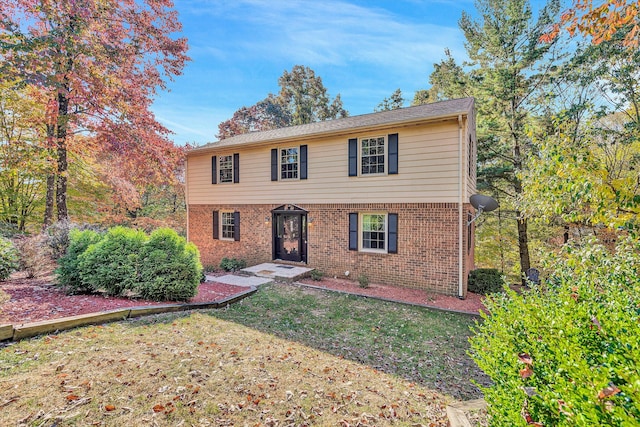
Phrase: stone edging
(432, 307)
(456, 412)
(27, 330)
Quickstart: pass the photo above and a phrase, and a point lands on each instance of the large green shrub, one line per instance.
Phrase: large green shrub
(567, 352)
(170, 267)
(8, 258)
(68, 271)
(112, 265)
(485, 281)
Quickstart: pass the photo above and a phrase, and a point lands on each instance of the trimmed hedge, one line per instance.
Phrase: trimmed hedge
(566, 353)
(169, 267)
(129, 262)
(485, 281)
(68, 271)
(8, 258)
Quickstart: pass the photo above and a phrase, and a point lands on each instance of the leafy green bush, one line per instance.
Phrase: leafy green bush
(170, 267)
(8, 258)
(363, 281)
(68, 271)
(316, 275)
(567, 353)
(113, 263)
(485, 281)
(232, 264)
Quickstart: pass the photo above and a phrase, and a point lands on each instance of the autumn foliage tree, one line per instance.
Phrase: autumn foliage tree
(302, 99)
(100, 65)
(601, 21)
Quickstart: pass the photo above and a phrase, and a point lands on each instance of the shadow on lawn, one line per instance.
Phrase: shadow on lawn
(423, 346)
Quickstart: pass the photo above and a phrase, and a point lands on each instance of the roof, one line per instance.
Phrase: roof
(419, 113)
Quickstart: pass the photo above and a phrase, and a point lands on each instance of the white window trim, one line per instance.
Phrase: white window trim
(386, 156)
(280, 178)
(220, 169)
(221, 224)
(361, 233)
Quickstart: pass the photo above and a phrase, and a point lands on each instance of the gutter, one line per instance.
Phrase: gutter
(460, 211)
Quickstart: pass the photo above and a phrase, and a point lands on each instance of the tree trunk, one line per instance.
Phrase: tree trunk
(61, 148)
(523, 245)
(51, 181)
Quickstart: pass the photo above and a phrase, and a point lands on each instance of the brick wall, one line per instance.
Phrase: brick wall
(427, 242)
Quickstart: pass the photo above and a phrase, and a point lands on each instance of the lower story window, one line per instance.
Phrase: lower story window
(227, 225)
(374, 230)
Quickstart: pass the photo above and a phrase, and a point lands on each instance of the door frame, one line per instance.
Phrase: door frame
(303, 229)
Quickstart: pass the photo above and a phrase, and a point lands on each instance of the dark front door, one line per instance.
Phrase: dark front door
(290, 236)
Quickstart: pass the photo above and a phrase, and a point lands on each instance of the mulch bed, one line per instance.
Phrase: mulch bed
(37, 299)
(471, 304)
(33, 300)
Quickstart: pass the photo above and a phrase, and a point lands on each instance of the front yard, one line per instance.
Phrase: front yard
(285, 356)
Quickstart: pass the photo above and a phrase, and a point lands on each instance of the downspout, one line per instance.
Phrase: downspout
(460, 211)
(186, 193)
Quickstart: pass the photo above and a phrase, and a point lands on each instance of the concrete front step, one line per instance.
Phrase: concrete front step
(289, 273)
(246, 281)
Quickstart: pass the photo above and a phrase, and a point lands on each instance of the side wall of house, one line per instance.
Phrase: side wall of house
(427, 242)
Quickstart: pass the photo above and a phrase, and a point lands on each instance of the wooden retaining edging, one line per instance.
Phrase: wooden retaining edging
(27, 330)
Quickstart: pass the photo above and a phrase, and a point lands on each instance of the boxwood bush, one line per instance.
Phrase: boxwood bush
(485, 281)
(8, 258)
(124, 261)
(170, 267)
(68, 271)
(567, 352)
(112, 265)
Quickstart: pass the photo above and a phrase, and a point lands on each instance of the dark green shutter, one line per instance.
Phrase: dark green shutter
(392, 248)
(216, 225)
(236, 167)
(303, 162)
(274, 164)
(393, 153)
(236, 226)
(353, 231)
(214, 170)
(353, 157)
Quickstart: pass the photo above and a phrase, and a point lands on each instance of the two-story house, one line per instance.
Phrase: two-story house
(385, 195)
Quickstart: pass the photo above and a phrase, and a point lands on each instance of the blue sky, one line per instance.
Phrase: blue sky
(363, 50)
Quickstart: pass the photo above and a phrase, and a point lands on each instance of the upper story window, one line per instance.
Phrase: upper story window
(289, 163)
(226, 168)
(372, 155)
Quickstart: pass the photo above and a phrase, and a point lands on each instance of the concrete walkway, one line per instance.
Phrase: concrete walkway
(288, 273)
(246, 281)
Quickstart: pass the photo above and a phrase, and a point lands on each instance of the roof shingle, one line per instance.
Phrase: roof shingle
(435, 110)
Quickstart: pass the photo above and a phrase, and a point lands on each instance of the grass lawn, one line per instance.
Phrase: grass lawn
(285, 356)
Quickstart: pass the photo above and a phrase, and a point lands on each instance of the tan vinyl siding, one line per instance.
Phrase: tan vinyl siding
(428, 172)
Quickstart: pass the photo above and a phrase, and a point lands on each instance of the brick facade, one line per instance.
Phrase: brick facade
(427, 255)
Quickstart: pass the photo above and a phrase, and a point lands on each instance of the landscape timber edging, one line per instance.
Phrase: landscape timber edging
(28, 330)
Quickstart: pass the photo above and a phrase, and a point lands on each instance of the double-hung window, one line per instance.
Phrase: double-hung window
(289, 163)
(373, 232)
(373, 155)
(226, 168)
(226, 225)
